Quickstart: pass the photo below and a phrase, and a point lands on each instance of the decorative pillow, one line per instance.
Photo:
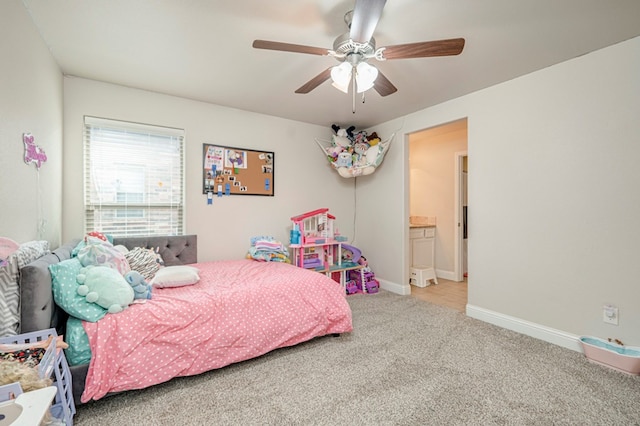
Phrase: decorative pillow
(106, 287)
(82, 243)
(28, 252)
(102, 253)
(175, 276)
(144, 261)
(9, 286)
(7, 247)
(79, 351)
(65, 291)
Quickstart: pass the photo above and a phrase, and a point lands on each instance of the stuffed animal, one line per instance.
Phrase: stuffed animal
(372, 153)
(361, 148)
(141, 290)
(341, 138)
(333, 152)
(95, 234)
(97, 252)
(359, 137)
(105, 287)
(373, 139)
(344, 160)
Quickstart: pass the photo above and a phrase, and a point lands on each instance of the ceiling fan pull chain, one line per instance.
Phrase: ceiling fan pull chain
(353, 88)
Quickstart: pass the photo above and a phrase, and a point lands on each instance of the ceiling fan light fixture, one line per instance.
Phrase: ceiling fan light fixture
(357, 46)
(343, 88)
(341, 76)
(366, 75)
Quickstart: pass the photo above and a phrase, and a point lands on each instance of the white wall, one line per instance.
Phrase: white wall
(30, 102)
(303, 179)
(553, 182)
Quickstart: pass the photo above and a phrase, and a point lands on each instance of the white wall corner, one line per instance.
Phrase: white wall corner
(547, 334)
(403, 290)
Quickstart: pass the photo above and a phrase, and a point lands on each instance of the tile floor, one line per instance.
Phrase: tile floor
(447, 293)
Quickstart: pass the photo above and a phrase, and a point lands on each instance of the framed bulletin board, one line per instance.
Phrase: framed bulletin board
(237, 171)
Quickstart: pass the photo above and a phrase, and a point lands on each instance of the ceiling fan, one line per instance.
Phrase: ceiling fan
(354, 49)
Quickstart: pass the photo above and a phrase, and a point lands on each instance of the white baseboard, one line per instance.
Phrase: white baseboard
(446, 275)
(551, 335)
(404, 290)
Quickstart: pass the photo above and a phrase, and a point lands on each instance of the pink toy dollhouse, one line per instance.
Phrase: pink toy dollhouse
(316, 244)
(315, 226)
(315, 247)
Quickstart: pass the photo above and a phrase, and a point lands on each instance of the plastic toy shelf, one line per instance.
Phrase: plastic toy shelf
(53, 365)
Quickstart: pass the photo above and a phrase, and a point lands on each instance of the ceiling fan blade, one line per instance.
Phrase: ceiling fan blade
(288, 47)
(366, 15)
(315, 81)
(424, 49)
(383, 86)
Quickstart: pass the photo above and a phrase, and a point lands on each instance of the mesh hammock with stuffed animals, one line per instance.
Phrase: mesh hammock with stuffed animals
(363, 165)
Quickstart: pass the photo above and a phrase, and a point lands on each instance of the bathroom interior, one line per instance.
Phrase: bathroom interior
(438, 174)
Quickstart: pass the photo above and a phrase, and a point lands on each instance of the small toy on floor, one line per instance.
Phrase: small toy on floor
(351, 287)
(364, 278)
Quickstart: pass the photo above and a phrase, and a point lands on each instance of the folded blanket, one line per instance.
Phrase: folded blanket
(267, 249)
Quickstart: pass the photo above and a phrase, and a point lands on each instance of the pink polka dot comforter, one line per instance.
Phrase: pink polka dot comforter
(239, 309)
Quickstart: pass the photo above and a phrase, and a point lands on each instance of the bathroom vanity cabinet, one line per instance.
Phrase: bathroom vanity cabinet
(423, 252)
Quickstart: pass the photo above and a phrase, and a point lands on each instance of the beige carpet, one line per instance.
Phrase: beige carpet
(407, 362)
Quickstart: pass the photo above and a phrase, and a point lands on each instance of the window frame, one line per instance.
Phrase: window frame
(163, 187)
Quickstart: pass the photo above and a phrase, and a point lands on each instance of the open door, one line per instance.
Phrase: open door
(461, 231)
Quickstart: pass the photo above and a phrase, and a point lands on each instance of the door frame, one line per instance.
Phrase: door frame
(458, 246)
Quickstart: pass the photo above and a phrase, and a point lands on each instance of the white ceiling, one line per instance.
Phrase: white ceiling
(201, 49)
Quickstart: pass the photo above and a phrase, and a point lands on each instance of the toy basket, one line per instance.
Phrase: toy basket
(53, 363)
(360, 170)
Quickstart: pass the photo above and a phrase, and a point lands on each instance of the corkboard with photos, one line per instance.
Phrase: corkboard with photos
(230, 170)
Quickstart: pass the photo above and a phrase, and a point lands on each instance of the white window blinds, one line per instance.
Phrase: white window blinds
(134, 178)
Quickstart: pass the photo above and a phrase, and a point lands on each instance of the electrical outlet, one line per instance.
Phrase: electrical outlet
(610, 314)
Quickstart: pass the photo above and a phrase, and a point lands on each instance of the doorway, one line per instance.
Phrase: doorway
(438, 167)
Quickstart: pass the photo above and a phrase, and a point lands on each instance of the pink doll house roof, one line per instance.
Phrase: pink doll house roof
(307, 215)
(315, 226)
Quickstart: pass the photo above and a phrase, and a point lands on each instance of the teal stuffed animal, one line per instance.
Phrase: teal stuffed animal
(105, 287)
(141, 290)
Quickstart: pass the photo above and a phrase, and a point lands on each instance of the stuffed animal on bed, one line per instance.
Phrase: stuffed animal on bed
(97, 252)
(141, 290)
(105, 287)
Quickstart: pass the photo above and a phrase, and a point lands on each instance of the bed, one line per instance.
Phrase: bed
(239, 309)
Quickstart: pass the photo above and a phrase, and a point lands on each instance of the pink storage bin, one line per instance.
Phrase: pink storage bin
(622, 358)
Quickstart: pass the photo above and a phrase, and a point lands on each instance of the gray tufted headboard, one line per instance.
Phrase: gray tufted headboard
(38, 310)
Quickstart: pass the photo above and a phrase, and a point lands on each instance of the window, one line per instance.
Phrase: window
(134, 178)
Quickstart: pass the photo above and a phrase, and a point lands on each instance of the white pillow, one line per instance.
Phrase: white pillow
(175, 276)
